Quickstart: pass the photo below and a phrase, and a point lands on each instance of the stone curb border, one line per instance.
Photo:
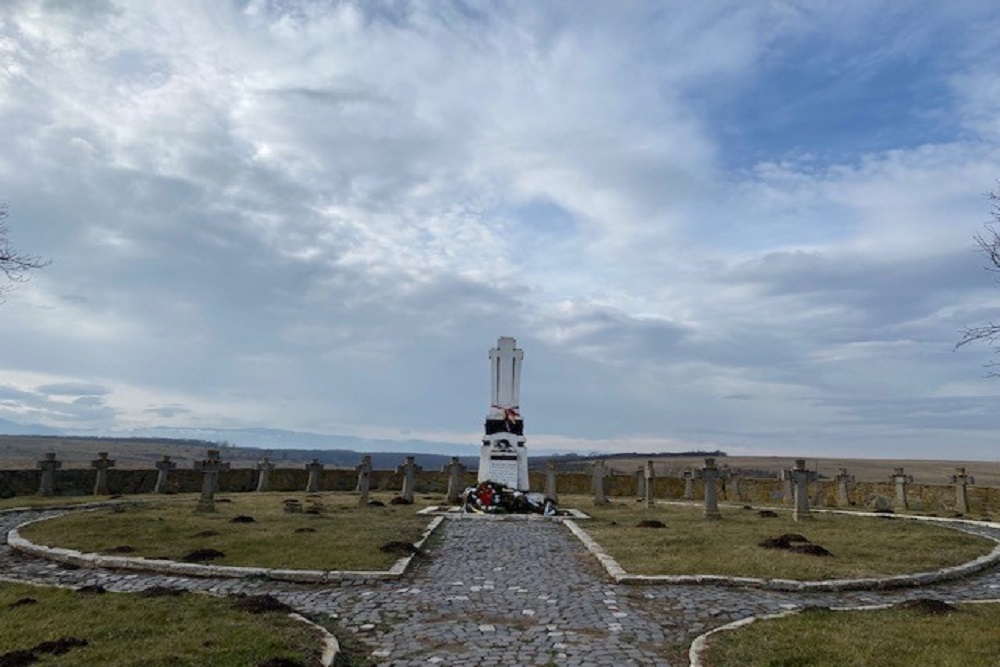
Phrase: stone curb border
(331, 646)
(700, 643)
(90, 560)
(620, 576)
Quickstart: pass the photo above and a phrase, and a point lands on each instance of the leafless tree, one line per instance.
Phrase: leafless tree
(989, 243)
(14, 264)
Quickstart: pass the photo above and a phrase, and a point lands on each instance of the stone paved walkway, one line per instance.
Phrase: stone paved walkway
(506, 593)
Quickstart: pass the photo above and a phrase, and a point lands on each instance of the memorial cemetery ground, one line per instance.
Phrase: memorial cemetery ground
(180, 629)
(861, 546)
(920, 633)
(330, 532)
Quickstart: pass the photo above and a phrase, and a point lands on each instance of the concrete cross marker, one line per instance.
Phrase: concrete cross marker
(640, 483)
(364, 479)
(733, 492)
(901, 479)
(503, 457)
(210, 469)
(710, 473)
(264, 467)
(597, 474)
(48, 466)
(787, 490)
(409, 470)
(843, 479)
(101, 464)
(800, 477)
(454, 470)
(649, 483)
(688, 476)
(315, 468)
(163, 469)
(961, 481)
(551, 491)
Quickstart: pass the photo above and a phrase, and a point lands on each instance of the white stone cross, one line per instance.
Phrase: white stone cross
(597, 474)
(210, 468)
(505, 376)
(265, 466)
(312, 483)
(163, 469)
(409, 470)
(688, 476)
(101, 464)
(710, 473)
(454, 469)
(551, 492)
(48, 466)
(649, 483)
(364, 470)
(843, 479)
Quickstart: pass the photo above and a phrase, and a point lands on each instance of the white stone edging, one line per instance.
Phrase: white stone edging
(331, 647)
(93, 560)
(700, 643)
(621, 576)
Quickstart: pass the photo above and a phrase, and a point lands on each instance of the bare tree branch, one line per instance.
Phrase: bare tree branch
(989, 244)
(14, 264)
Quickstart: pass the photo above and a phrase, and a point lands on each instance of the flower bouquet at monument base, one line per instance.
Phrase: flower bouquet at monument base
(496, 498)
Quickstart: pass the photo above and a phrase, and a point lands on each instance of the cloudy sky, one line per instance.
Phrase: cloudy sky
(721, 224)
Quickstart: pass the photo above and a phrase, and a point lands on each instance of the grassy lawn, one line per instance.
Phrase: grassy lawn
(861, 546)
(126, 630)
(887, 638)
(339, 536)
(53, 501)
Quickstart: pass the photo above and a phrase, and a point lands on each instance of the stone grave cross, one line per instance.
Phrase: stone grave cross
(314, 468)
(163, 469)
(597, 474)
(264, 467)
(210, 469)
(364, 479)
(551, 491)
(961, 481)
(843, 479)
(454, 469)
(734, 485)
(101, 464)
(649, 483)
(48, 466)
(800, 477)
(710, 473)
(688, 476)
(901, 479)
(409, 470)
(503, 457)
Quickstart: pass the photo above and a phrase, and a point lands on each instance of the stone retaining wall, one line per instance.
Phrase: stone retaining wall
(933, 498)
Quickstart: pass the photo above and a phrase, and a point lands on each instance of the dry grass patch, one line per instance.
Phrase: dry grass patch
(332, 533)
(887, 638)
(861, 546)
(128, 630)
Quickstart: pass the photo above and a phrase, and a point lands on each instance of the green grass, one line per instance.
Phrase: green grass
(52, 501)
(126, 630)
(883, 638)
(345, 536)
(862, 546)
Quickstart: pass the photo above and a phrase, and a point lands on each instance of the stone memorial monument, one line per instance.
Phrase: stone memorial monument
(264, 467)
(503, 457)
(48, 466)
(961, 480)
(101, 464)
(901, 480)
(649, 483)
(163, 469)
(598, 472)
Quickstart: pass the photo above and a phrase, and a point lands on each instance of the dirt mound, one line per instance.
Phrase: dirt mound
(161, 592)
(376, 503)
(242, 518)
(23, 602)
(767, 514)
(305, 530)
(651, 523)
(91, 590)
(25, 658)
(400, 500)
(809, 550)
(207, 533)
(926, 606)
(261, 604)
(202, 555)
(782, 541)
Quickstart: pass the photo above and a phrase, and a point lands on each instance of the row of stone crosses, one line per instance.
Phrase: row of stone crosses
(798, 476)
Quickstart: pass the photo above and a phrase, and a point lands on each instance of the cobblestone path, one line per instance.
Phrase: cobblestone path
(506, 593)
